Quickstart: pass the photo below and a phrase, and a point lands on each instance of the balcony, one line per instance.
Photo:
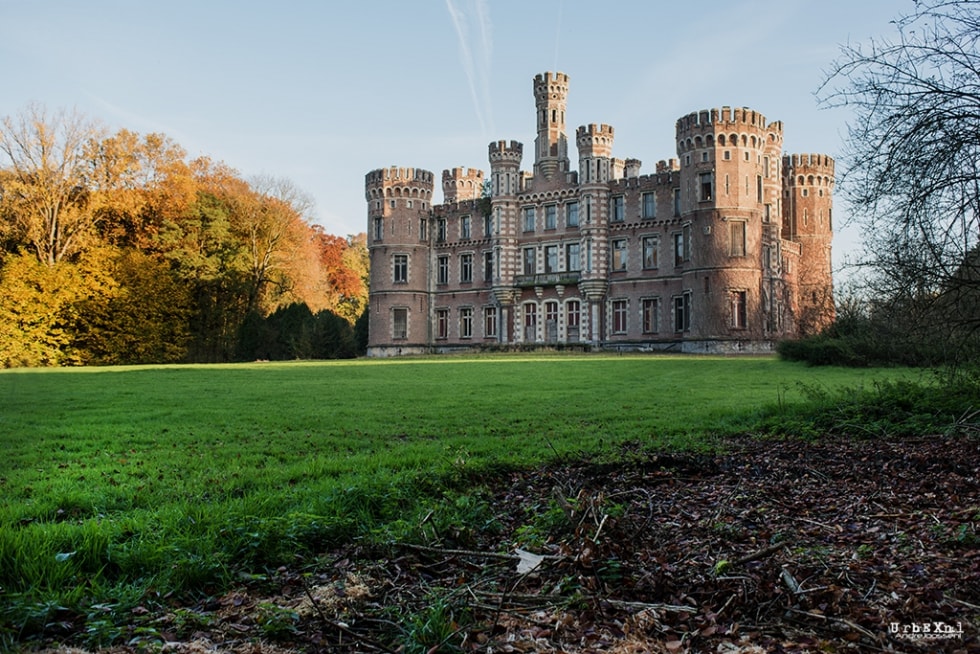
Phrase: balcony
(547, 279)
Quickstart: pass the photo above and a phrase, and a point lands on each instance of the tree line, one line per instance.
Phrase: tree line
(117, 248)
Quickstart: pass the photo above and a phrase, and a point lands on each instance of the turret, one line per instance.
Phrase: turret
(594, 144)
(808, 220)
(399, 203)
(461, 184)
(551, 144)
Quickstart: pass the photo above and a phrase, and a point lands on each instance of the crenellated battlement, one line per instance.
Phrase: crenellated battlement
(399, 175)
(594, 140)
(396, 181)
(502, 152)
(716, 122)
(459, 184)
(807, 164)
(549, 83)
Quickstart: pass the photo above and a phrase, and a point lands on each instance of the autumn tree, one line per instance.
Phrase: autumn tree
(345, 264)
(144, 319)
(39, 308)
(44, 192)
(913, 165)
(136, 184)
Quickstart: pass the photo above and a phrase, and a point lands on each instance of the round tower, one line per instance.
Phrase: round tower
(461, 184)
(399, 203)
(729, 184)
(551, 144)
(808, 180)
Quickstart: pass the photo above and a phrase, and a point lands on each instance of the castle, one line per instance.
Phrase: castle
(724, 249)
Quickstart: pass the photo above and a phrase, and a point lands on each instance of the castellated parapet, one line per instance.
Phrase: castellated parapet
(399, 182)
(802, 169)
(594, 140)
(504, 152)
(461, 184)
(723, 248)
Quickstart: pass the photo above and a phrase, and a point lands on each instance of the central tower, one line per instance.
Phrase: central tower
(551, 144)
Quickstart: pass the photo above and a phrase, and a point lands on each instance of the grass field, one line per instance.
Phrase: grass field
(119, 482)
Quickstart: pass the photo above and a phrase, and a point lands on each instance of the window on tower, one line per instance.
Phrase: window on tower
(400, 272)
(707, 186)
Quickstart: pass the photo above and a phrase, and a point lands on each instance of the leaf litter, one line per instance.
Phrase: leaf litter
(772, 546)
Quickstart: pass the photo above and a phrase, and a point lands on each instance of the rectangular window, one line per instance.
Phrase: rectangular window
(488, 225)
(571, 214)
(619, 254)
(618, 209)
(466, 322)
(737, 230)
(758, 188)
(619, 310)
(464, 228)
(529, 219)
(678, 248)
(529, 263)
(442, 270)
(767, 214)
(441, 236)
(379, 228)
(442, 323)
(423, 232)
(488, 266)
(739, 317)
(400, 269)
(490, 322)
(651, 316)
(551, 321)
(682, 312)
(572, 318)
(573, 257)
(399, 323)
(706, 185)
(649, 210)
(650, 246)
(466, 268)
(551, 258)
(551, 216)
(677, 202)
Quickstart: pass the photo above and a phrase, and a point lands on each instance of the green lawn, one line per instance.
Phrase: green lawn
(179, 478)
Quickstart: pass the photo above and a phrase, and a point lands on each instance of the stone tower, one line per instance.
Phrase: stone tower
(725, 231)
(551, 144)
(399, 204)
(808, 181)
(505, 185)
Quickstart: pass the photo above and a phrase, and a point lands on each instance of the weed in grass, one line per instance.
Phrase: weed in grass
(276, 622)
(434, 626)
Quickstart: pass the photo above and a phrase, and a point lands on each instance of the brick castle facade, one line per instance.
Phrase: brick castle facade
(724, 249)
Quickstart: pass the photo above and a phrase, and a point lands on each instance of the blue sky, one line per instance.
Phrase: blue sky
(321, 92)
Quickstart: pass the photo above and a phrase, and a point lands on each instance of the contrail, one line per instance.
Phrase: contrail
(477, 70)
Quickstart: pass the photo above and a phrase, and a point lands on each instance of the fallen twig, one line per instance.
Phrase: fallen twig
(759, 554)
(486, 555)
